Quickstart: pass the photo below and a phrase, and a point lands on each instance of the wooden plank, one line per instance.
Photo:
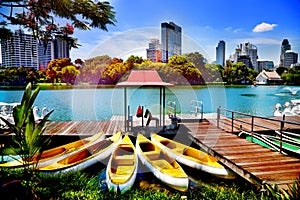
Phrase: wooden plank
(276, 166)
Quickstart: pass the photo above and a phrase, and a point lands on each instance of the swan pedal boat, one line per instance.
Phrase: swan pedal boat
(56, 153)
(84, 158)
(122, 166)
(190, 156)
(164, 167)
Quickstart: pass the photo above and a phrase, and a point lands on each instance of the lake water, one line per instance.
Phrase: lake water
(101, 104)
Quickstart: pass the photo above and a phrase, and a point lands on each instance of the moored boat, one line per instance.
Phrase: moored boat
(285, 146)
(164, 167)
(190, 156)
(56, 153)
(289, 136)
(122, 166)
(84, 158)
(258, 139)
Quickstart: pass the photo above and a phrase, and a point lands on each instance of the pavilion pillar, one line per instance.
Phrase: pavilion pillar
(125, 108)
(164, 106)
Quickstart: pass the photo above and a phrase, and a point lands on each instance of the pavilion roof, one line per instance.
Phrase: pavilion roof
(143, 78)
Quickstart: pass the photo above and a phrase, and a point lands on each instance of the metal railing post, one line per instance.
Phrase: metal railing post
(282, 123)
(201, 110)
(218, 117)
(252, 123)
(232, 116)
(280, 141)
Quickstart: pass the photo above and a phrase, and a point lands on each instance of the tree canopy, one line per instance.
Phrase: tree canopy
(39, 17)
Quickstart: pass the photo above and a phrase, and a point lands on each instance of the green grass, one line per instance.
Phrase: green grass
(86, 186)
(83, 185)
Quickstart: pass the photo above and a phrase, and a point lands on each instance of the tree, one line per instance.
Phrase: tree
(55, 68)
(69, 74)
(238, 73)
(187, 69)
(197, 59)
(38, 16)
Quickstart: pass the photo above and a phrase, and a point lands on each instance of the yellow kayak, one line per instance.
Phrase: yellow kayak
(164, 167)
(122, 167)
(84, 158)
(56, 153)
(190, 156)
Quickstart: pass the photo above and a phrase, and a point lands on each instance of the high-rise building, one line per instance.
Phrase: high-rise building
(289, 58)
(220, 53)
(170, 40)
(285, 46)
(247, 49)
(245, 59)
(46, 54)
(265, 64)
(154, 51)
(56, 48)
(20, 50)
(25, 50)
(61, 49)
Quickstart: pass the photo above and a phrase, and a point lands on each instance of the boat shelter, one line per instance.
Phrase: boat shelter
(145, 78)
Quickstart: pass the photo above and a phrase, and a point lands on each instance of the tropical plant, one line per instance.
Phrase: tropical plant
(28, 141)
(269, 191)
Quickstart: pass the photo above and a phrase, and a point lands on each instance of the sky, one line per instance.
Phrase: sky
(204, 23)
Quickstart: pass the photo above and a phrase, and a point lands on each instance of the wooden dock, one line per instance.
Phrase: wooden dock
(253, 162)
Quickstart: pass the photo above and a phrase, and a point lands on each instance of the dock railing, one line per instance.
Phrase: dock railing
(240, 118)
(196, 108)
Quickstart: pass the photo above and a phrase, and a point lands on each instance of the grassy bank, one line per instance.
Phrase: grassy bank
(85, 185)
(88, 185)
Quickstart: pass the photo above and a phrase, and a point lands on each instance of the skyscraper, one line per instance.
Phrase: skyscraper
(170, 40)
(25, 50)
(289, 58)
(247, 49)
(56, 48)
(20, 50)
(220, 53)
(285, 45)
(154, 51)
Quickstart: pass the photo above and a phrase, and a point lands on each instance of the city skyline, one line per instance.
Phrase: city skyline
(262, 23)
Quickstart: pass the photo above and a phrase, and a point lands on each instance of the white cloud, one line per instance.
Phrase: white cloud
(264, 27)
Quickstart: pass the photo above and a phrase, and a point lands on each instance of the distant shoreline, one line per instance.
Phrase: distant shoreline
(86, 86)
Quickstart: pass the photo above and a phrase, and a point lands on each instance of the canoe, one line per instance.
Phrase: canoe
(258, 139)
(122, 167)
(56, 153)
(164, 167)
(294, 137)
(190, 156)
(289, 147)
(84, 158)
(273, 142)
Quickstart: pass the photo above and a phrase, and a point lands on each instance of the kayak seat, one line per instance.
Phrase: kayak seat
(124, 162)
(168, 144)
(152, 155)
(163, 164)
(124, 170)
